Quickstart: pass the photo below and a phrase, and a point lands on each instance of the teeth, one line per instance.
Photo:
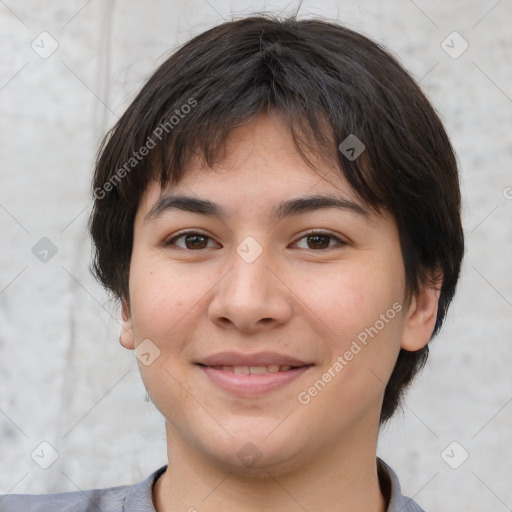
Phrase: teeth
(254, 370)
(241, 370)
(258, 370)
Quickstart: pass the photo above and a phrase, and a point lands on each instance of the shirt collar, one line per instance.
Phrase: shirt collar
(390, 488)
(139, 498)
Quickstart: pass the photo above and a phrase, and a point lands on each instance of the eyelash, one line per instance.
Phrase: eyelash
(310, 233)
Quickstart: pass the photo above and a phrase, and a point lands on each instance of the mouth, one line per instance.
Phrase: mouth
(249, 380)
(255, 370)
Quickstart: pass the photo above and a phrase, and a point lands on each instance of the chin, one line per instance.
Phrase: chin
(256, 452)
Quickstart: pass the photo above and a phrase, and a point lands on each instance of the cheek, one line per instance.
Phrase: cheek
(165, 302)
(168, 305)
(349, 300)
(166, 299)
(360, 317)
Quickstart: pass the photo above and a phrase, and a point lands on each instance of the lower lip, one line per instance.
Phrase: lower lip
(252, 384)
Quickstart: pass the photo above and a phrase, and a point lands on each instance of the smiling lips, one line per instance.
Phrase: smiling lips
(249, 375)
(254, 370)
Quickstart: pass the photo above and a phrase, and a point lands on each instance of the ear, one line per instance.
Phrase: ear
(126, 336)
(421, 317)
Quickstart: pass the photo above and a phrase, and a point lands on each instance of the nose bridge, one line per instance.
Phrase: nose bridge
(249, 276)
(250, 292)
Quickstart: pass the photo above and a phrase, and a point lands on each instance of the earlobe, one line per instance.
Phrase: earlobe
(421, 318)
(126, 336)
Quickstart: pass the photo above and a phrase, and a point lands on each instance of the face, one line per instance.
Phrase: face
(267, 323)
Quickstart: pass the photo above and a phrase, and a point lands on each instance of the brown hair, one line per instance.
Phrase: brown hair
(328, 82)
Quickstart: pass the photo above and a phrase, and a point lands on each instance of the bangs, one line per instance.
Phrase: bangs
(197, 118)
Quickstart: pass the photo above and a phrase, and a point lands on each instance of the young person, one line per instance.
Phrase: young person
(278, 213)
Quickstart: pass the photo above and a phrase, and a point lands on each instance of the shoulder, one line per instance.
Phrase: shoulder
(107, 500)
(124, 498)
(390, 486)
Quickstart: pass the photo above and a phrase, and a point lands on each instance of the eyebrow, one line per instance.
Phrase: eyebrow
(291, 207)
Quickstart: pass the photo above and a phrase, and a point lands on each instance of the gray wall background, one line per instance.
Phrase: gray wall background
(65, 380)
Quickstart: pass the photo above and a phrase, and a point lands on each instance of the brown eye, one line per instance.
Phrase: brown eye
(319, 241)
(190, 241)
(195, 241)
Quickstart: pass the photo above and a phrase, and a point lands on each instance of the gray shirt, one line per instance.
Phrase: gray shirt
(138, 497)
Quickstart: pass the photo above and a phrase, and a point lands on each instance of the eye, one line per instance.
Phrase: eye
(192, 240)
(320, 240)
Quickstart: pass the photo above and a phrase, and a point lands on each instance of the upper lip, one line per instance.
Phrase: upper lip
(257, 359)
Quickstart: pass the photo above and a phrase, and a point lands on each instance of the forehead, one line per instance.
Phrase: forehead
(260, 165)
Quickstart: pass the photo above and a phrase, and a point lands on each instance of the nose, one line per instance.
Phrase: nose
(252, 297)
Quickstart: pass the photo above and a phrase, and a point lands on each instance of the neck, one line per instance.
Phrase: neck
(341, 479)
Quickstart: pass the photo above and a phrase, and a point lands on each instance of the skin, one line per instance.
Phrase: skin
(297, 298)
